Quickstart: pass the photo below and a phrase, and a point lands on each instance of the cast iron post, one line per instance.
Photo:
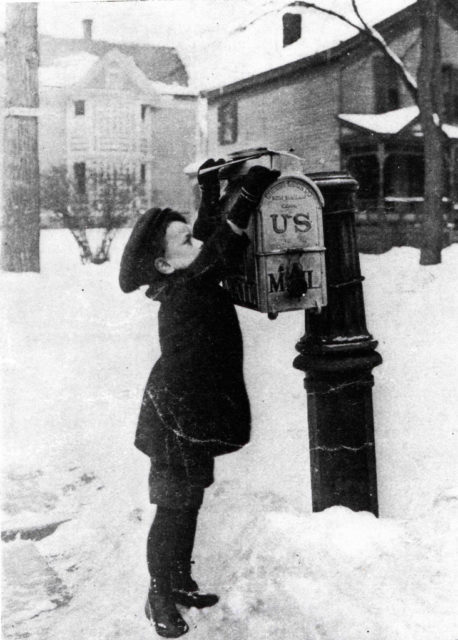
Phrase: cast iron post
(338, 354)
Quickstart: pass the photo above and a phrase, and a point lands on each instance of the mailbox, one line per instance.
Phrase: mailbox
(284, 267)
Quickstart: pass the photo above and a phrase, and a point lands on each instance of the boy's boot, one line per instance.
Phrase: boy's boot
(185, 590)
(160, 608)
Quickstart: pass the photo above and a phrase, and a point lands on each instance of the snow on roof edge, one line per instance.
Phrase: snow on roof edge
(391, 122)
(388, 123)
(451, 131)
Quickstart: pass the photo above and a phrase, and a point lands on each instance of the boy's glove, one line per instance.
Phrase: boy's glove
(254, 184)
(209, 181)
(209, 209)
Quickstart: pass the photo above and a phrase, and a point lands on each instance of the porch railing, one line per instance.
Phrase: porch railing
(398, 223)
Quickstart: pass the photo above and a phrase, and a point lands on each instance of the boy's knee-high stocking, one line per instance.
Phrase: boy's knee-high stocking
(160, 605)
(171, 539)
(169, 553)
(184, 542)
(161, 543)
(184, 587)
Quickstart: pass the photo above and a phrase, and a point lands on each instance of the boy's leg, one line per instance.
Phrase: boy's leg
(161, 543)
(184, 545)
(160, 605)
(184, 587)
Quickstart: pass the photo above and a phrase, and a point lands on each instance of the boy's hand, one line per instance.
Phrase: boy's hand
(209, 181)
(256, 182)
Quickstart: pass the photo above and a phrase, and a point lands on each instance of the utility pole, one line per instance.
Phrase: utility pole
(21, 175)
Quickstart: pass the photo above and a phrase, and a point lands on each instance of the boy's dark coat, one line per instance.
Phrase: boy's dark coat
(195, 402)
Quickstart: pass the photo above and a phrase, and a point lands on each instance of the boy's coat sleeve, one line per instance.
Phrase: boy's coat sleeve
(221, 255)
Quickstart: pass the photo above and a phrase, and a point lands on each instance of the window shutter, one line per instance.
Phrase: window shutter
(79, 107)
(386, 87)
(227, 122)
(450, 90)
(79, 171)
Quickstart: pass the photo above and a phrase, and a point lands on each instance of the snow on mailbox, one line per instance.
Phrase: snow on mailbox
(284, 267)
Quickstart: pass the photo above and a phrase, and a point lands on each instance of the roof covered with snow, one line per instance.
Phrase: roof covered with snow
(390, 122)
(67, 70)
(253, 43)
(159, 64)
(451, 131)
(75, 69)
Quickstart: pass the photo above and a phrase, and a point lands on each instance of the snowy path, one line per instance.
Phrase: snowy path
(78, 355)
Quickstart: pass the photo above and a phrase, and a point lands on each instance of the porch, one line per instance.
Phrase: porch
(384, 152)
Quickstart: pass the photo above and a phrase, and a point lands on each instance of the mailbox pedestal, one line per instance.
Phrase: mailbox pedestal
(338, 354)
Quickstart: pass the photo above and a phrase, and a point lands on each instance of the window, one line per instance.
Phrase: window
(79, 171)
(450, 89)
(292, 26)
(143, 173)
(143, 111)
(227, 122)
(365, 170)
(79, 107)
(404, 175)
(386, 86)
(113, 76)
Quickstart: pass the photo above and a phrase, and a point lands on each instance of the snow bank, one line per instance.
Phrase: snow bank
(412, 311)
(338, 574)
(78, 352)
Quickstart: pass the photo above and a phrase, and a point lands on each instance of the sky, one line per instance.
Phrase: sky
(200, 30)
(166, 22)
(160, 22)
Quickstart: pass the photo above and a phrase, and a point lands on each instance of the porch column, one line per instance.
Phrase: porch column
(381, 156)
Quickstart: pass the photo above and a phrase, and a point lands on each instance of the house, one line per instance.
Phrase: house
(123, 107)
(340, 106)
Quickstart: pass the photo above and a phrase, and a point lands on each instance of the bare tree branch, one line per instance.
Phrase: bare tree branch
(382, 44)
(299, 3)
(312, 5)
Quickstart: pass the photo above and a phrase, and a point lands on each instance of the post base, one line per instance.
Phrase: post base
(341, 429)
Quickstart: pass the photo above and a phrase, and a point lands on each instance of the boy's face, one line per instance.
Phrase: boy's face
(180, 248)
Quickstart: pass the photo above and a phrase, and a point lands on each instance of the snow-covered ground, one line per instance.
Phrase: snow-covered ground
(76, 355)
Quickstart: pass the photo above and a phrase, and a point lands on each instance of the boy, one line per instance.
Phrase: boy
(195, 404)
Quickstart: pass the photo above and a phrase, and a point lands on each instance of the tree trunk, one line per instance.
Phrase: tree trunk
(21, 181)
(83, 244)
(430, 104)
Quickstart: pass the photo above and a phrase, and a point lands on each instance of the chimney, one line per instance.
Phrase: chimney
(87, 29)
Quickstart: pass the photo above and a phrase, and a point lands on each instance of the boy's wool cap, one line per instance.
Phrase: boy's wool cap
(144, 246)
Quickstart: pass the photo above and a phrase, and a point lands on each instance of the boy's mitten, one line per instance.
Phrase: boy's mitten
(209, 182)
(209, 209)
(254, 184)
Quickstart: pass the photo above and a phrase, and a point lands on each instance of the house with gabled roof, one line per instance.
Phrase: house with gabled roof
(125, 107)
(342, 106)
